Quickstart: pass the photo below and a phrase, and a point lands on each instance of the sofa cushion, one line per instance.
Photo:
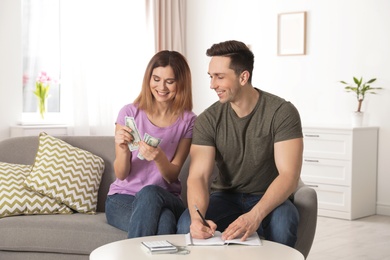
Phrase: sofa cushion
(66, 173)
(17, 200)
(64, 234)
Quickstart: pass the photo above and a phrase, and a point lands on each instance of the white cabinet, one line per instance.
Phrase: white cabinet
(341, 165)
(28, 130)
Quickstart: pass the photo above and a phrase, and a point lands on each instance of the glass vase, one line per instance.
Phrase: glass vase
(42, 107)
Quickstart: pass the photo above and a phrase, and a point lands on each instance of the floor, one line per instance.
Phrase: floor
(362, 239)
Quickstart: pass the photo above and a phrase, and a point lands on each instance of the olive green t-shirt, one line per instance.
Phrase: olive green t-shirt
(245, 146)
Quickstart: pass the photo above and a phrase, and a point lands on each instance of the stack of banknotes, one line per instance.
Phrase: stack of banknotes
(134, 145)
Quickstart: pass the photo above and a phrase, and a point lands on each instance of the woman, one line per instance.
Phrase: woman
(145, 198)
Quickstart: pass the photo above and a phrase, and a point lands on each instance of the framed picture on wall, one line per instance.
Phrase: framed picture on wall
(292, 33)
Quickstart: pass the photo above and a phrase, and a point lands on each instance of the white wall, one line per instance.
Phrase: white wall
(344, 39)
(10, 65)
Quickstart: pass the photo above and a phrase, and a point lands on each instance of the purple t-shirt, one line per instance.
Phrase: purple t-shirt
(143, 172)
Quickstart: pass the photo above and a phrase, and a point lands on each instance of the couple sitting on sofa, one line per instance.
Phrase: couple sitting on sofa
(255, 139)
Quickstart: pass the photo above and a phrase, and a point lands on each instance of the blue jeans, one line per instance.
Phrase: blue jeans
(279, 226)
(152, 211)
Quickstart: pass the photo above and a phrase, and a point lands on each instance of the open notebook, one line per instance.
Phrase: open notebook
(216, 240)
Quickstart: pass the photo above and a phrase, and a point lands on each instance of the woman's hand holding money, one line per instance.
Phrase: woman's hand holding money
(149, 152)
(123, 136)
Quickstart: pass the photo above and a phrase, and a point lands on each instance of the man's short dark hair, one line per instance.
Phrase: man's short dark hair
(241, 57)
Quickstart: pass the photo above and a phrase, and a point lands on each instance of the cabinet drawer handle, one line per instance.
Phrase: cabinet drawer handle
(309, 135)
(312, 186)
(313, 161)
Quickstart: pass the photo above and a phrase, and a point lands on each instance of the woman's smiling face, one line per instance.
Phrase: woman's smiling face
(163, 84)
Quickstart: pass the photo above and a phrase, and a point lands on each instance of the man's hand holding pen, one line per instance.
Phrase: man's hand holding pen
(200, 227)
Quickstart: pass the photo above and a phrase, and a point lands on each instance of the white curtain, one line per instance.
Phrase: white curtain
(105, 48)
(106, 45)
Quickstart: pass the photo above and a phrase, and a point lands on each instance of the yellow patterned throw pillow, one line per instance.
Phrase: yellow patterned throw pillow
(17, 200)
(66, 173)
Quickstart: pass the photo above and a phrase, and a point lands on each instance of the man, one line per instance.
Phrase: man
(256, 141)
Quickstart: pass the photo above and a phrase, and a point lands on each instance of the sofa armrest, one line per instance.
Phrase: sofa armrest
(305, 199)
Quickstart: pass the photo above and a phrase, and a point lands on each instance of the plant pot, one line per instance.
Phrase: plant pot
(357, 119)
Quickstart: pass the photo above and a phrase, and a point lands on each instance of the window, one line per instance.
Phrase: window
(41, 50)
(98, 49)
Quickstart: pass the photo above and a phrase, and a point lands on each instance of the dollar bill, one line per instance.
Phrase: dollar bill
(130, 122)
(150, 140)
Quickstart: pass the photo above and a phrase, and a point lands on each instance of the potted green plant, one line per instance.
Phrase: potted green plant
(360, 89)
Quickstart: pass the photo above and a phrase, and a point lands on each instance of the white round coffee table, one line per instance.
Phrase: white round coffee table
(132, 249)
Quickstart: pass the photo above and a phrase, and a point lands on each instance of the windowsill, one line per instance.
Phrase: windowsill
(32, 119)
(35, 130)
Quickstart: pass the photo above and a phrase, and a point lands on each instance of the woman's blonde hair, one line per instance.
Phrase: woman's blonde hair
(183, 98)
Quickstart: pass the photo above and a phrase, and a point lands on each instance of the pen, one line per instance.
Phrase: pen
(201, 216)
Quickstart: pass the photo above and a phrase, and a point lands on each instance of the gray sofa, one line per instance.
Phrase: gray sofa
(75, 236)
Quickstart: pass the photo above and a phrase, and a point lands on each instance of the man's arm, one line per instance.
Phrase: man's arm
(201, 168)
(288, 159)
